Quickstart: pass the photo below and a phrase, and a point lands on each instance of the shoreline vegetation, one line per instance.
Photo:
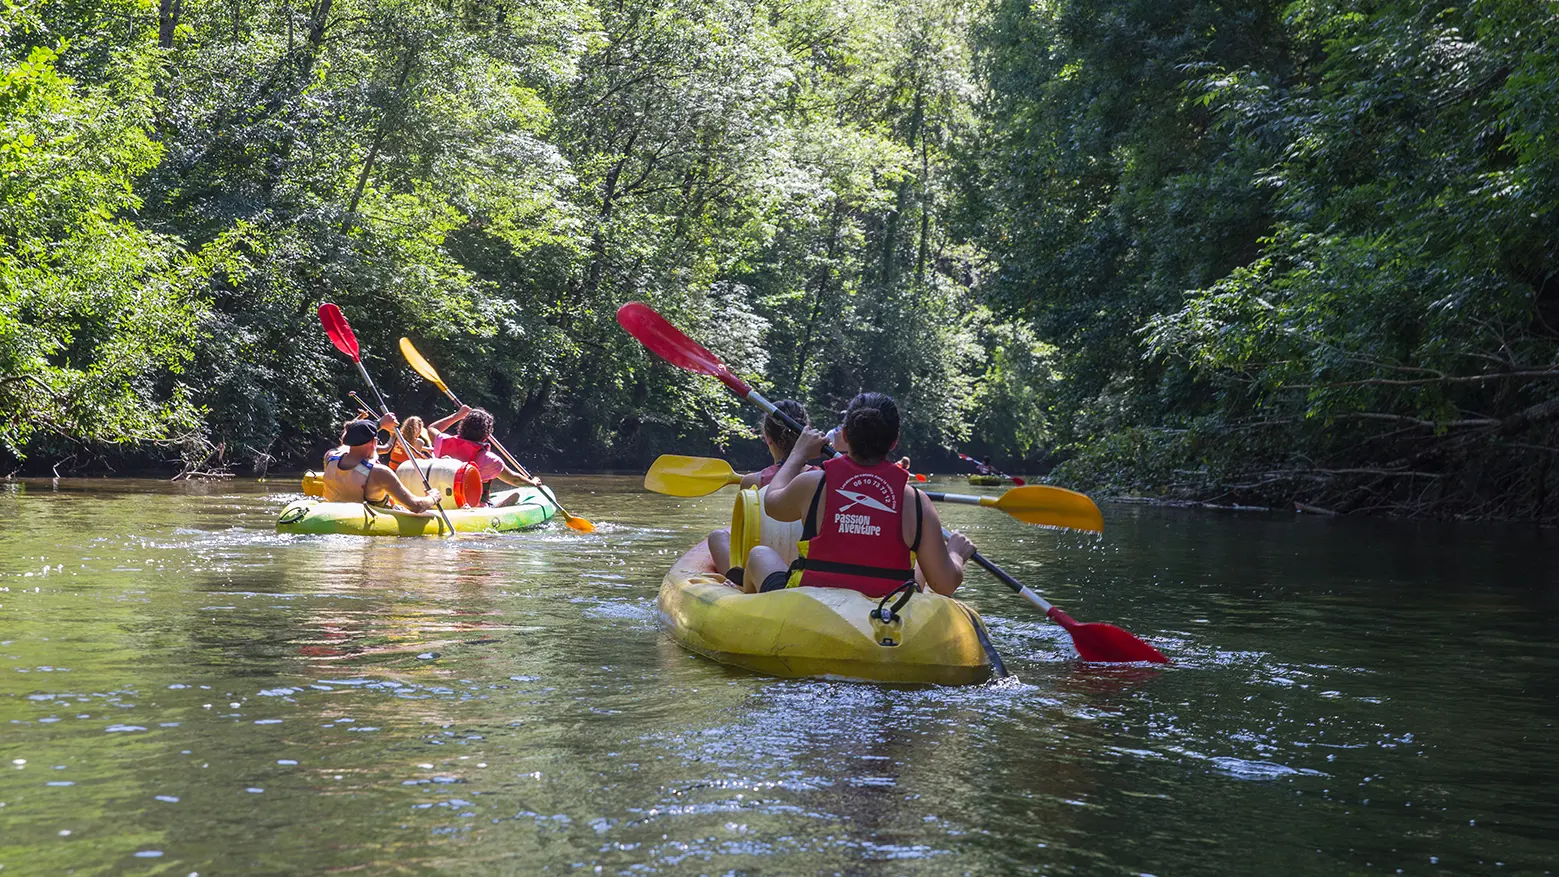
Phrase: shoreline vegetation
(1281, 255)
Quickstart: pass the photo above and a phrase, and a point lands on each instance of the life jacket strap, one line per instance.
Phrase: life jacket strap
(853, 569)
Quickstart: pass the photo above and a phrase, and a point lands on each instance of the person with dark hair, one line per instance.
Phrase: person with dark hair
(353, 472)
(472, 443)
(865, 528)
(984, 467)
(780, 535)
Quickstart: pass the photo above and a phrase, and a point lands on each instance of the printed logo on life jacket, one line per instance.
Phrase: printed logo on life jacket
(864, 493)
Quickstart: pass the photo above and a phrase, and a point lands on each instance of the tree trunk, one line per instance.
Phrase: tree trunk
(167, 21)
(890, 230)
(373, 151)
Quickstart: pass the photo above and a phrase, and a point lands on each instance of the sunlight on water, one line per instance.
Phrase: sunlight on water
(183, 689)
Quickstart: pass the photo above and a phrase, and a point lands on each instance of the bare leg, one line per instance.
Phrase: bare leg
(762, 561)
(720, 549)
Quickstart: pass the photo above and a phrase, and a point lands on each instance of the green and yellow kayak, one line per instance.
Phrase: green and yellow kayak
(987, 480)
(820, 632)
(308, 515)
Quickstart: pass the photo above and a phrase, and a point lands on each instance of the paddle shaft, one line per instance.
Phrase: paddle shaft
(366, 407)
(384, 409)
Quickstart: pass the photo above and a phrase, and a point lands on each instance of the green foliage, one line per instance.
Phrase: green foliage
(1310, 258)
(96, 313)
(493, 180)
(1262, 252)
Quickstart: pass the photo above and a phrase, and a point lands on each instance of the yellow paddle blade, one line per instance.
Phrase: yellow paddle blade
(421, 366)
(575, 522)
(1049, 507)
(676, 475)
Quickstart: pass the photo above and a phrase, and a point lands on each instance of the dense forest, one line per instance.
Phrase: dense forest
(1262, 253)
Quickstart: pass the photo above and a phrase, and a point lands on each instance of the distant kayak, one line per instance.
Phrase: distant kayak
(820, 632)
(987, 480)
(313, 516)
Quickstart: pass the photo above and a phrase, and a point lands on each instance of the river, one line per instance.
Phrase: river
(182, 690)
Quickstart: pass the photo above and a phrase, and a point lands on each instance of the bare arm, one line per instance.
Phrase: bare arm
(940, 568)
(792, 489)
(509, 476)
(383, 478)
(444, 423)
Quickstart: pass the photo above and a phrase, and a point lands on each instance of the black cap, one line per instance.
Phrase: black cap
(359, 432)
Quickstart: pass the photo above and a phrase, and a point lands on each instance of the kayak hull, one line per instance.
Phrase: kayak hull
(987, 480)
(819, 632)
(315, 517)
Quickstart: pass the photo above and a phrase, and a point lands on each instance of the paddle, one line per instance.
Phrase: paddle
(1094, 642)
(676, 475)
(341, 335)
(1038, 504)
(968, 459)
(421, 366)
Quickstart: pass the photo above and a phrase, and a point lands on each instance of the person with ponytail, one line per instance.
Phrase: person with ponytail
(781, 536)
(864, 527)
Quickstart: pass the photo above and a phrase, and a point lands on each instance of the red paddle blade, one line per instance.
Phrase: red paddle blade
(1106, 643)
(669, 343)
(336, 327)
(1018, 482)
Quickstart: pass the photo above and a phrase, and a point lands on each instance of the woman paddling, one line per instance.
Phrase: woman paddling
(778, 535)
(864, 527)
(473, 444)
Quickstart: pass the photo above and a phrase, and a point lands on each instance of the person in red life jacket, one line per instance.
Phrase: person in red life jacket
(780, 440)
(865, 527)
(416, 435)
(472, 444)
(353, 472)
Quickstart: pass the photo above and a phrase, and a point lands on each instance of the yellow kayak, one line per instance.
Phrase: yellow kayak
(987, 480)
(352, 518)
(820, 632)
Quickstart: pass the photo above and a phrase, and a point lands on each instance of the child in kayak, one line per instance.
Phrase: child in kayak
(353, 472)
(779, 535)
(416, 436)
(865, 528)
(473, 444)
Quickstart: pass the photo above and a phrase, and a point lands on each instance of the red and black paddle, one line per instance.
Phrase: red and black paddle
(341, 334)
(1102, 643)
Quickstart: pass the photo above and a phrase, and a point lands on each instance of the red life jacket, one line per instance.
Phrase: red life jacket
(461, 449)
(767, 475)
(854, 533)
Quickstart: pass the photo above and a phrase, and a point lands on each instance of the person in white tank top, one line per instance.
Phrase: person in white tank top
(779, 535)
(353, 472)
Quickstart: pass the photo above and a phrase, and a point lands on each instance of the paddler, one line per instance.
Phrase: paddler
(779, 535)
(353, 472)
(865, 528)
(416, 436)
(473, 444)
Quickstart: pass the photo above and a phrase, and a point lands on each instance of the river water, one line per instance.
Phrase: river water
(183, 690)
